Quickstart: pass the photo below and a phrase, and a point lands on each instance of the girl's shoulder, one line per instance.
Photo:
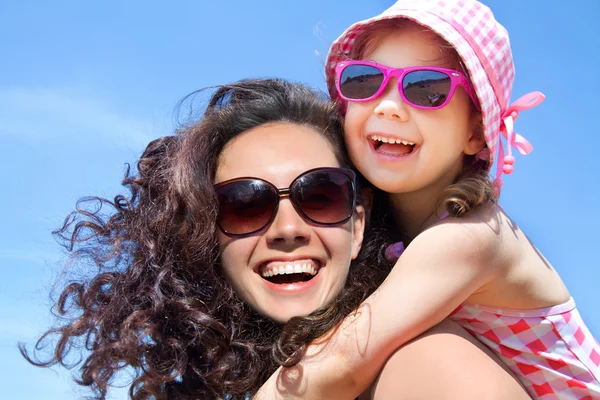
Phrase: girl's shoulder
(483, 234)
(484, 223)
(485, 216)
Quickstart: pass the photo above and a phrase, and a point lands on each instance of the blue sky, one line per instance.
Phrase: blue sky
(85, 85)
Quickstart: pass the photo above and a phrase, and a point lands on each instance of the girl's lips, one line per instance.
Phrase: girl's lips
(392, 152)
(400, 150)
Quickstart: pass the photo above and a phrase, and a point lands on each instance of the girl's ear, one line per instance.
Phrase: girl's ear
(476, 141)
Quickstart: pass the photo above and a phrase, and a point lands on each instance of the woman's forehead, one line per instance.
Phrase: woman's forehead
(275, 152)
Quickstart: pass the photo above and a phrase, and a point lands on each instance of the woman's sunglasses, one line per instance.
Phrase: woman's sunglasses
(427, 88)
(322, 196)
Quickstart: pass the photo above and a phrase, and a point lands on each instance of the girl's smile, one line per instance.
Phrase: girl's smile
(398, 147)
(391, 148)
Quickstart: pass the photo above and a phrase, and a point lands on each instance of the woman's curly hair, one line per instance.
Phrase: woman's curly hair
(154, 298)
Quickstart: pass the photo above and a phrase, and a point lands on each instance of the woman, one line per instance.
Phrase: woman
(233, 227)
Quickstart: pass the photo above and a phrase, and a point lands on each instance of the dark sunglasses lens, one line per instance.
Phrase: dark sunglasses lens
(245, 206)
(325, 197)
(426, 88)
(360, 81)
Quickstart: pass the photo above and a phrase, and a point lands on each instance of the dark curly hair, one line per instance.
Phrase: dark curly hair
(153, 297)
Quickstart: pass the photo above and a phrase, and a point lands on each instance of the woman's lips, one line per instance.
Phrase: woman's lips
(274, 268)
(283, 276)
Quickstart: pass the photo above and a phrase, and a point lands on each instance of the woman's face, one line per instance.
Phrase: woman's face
(278, 153)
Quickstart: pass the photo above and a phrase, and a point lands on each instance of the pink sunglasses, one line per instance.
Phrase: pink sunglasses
(422, 87)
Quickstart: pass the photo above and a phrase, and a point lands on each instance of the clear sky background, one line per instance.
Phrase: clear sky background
(85, 85)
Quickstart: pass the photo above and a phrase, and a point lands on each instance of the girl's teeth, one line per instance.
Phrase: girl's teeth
(391, 141)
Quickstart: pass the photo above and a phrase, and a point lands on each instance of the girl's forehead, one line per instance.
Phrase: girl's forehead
(404, 48)
(409, 38)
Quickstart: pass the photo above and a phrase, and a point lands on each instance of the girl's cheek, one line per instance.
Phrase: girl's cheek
(356, 116)
(349, 124)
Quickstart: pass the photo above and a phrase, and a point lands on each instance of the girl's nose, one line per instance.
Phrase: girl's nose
(390, 103)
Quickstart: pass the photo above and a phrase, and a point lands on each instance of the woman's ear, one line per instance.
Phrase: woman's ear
(360, 218)
(366, 200)
(358, 230)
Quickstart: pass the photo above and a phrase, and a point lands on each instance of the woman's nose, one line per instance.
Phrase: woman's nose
(288, 226)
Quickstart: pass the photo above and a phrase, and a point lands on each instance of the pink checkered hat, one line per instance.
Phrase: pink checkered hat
(484, 47)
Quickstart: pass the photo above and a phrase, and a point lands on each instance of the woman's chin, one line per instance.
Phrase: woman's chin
(284, 312)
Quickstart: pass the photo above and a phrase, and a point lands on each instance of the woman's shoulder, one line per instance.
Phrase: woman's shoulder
(448, 355)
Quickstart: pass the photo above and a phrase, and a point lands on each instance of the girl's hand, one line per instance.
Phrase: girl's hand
(324, 358)
(441, 269)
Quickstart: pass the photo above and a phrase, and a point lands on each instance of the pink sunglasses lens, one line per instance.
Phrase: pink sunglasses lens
(359, 82)
(426, 88)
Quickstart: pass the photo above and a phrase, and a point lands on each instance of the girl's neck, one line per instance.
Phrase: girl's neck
(414, 212)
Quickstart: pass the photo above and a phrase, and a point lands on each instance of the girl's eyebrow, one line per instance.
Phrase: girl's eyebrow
(424, 63)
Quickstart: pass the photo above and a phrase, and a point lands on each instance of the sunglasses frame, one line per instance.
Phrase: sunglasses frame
(287, 192)
(457, 78)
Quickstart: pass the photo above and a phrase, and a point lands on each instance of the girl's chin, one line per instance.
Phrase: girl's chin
(387, 180)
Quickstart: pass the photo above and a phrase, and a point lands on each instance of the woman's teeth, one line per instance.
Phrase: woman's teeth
(288, 269)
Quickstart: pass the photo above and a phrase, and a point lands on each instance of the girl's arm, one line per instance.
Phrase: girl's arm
(441, 268)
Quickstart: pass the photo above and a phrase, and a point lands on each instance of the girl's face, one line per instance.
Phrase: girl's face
(278, 153)
(441, 137)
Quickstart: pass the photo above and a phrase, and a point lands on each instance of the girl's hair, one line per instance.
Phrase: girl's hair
(473, 186)
(155, 298)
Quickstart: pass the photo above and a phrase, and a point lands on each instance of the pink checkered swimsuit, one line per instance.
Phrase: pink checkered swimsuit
(551, 350)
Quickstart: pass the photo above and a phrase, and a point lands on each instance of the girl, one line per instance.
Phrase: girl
(227, 235)
(425, 90)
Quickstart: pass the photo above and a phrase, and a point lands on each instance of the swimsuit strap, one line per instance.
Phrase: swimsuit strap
(394, 251)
